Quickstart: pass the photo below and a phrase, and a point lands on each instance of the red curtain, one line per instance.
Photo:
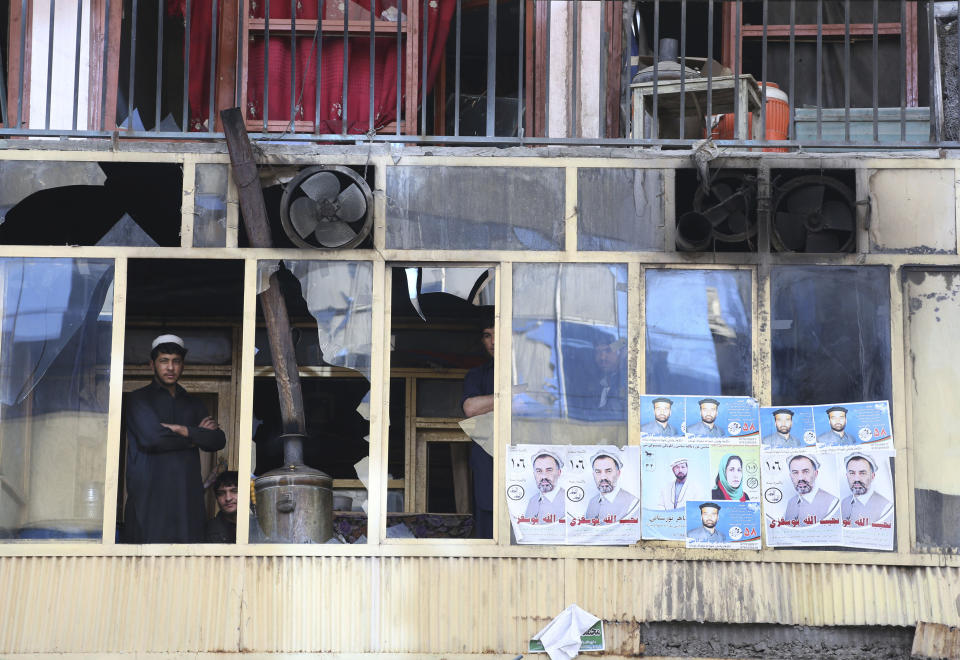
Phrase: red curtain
(304, 54)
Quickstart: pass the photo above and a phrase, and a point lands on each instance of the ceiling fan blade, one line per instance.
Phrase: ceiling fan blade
(353, 205)
(837, 215)
(303, 216)
(823, 241)
(737, 222)
(334, 234)
(320, 186)
(806, 199)
(790, 229)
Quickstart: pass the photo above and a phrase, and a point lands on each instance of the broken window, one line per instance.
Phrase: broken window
(569, 353)
(830, 334)
(166, 484)
(931, 297)
(609, 219)
(210, 206)
(699, 332)
(78, 203)
(57, 316)
(330, 306)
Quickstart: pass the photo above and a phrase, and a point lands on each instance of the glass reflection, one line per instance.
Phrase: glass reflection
(569, 344)
(830, 336)
(54, 347)
(698, 332)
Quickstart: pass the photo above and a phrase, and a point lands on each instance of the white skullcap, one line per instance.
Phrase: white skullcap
(167, 339)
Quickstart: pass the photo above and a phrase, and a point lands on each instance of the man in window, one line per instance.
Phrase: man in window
(611, 390)
(811, 504)
(478, 400)
(782, 438)
(222, 528)
(837, 435)
(612, 502)
(864, 505)
(707, 426)
(660, 426)
(166, 428)
(548, 505)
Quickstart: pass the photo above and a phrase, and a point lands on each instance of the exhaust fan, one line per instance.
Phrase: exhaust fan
(814, 213)
(327, 207)
(723, 213)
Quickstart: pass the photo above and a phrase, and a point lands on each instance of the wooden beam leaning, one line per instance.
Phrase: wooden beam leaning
(247, 178)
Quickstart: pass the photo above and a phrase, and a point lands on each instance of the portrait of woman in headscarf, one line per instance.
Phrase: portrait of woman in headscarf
(729, 481)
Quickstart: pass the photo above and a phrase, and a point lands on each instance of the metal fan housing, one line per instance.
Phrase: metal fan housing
(327, 207)
(814, 213)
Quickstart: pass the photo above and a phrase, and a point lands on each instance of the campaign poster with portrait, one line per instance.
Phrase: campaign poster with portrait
(574, 494)
(801, 498)
(673, 473)
(867, 504)
(840, 425)
(787, 427)
(603, 490)
(536, 493)
(730, 418)
(662, 416)
(723, 525)
(735, 472)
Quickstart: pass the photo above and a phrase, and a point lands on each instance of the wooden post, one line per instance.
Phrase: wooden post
(247, 178)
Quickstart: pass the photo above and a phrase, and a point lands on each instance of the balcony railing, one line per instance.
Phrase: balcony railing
(847, 74)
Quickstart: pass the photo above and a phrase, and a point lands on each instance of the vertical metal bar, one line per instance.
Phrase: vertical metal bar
(266, 65)
(819, 70)
(903, 70)
(4, 117)
(491, 65)
(293, 64)
(736, 74)
(654, 126)
(793, 63)
(131, 79)
(876, 72)
(103, 77)
(423, 70)
(683, 69)
(158, 88)
(763, 73)
(456, 78)
(346, 67)
(186, 70)
(53, 4)
(521, 29)
(709, 118)
(373, 57)
(213, 66)
(846, 71)
(319, 36)
(575, 105)
(23, 47)
(400, 61)
(935, 119)
(76, 65)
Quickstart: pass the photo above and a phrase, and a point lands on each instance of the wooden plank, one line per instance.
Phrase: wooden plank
(113, 66)
(14, 87)
(412, 68)
(98, 22)
(541, 74)
(781, 31)
(728, 17)
(614, 64)
(529, 49)
(226, 85)
(306, 27)
(910, 43)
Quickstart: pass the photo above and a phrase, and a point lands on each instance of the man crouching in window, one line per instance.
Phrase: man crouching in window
(222, 528)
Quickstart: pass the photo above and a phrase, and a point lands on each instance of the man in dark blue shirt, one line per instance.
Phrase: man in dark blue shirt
(165, 428)
(477, 400)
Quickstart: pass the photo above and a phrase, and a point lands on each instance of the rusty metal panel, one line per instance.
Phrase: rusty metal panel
(913, 211)
(934, 640)
(108, 604)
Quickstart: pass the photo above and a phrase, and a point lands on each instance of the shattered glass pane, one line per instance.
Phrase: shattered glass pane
(20, 179)
(475, 208)
(210, 206)
(934, 315)
(54, 394)
(698, 332)
(569, 353)
(830, 334)
(127, 233)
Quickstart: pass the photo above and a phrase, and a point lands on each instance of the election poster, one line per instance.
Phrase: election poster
(574, 494)
(717, 458)
(820, 496)
(723, 525)
(831, 426)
